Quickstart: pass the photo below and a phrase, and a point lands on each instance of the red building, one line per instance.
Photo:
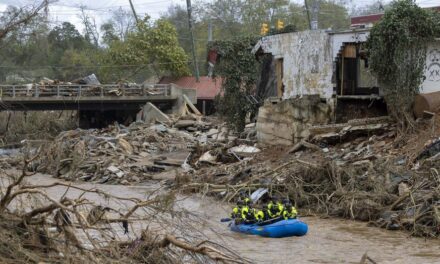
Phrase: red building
(370, 20)
(207, 89)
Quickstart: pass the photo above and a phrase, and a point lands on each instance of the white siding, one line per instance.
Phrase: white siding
(432, 70)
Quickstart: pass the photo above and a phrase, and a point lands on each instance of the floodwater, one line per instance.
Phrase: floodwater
(328, 240)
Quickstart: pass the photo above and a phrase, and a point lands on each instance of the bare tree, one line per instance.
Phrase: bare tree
(123, 22)
(22, 16)
(90, 26)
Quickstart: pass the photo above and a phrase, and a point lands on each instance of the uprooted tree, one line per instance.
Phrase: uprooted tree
(397, 48)
(239, 70)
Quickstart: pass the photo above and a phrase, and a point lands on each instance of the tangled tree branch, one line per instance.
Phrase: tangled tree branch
(78, 230)
(22, 16)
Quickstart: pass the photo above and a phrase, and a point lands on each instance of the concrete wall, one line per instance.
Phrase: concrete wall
(307, 62)
(287, 122)
(350, 36)
(432, 70)
(177, 92)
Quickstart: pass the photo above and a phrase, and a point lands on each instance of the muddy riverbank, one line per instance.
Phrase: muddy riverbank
(328, 240)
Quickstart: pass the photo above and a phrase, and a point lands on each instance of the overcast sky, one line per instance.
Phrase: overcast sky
(68, 10)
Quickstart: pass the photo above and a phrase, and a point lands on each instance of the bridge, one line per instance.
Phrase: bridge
(86, 97)
(97, 105)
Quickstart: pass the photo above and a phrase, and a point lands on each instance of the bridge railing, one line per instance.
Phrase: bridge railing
(78, 90)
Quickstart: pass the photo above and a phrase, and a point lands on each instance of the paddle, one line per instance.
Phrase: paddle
(224, 220)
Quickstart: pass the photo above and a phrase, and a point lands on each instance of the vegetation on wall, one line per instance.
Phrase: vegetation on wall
(397, 49)
(239, 70)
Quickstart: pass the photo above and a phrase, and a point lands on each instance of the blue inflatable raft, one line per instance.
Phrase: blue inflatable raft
(280, 228)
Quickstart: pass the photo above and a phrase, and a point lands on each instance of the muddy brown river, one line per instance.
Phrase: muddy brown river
(328, 240)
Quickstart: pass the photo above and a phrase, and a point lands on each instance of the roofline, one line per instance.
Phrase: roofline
(383, 13)
(354, 30)
(375, 14)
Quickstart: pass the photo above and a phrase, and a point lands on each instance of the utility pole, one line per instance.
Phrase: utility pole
(196, 66)
(210, 31)
(315, 10)
(134, 12)
(308, 14)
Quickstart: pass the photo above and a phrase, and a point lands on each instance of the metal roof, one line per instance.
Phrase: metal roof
(207, 88)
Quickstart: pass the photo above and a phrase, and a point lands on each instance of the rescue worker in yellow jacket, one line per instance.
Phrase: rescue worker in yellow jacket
(259, 215)
(247, 213)
(236, 211)
(289, 211)
(275, 209)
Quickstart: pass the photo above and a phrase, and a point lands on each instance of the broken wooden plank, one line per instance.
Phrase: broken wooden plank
(190, 104)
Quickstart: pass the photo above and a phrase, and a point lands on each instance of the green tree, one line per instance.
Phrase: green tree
(23, 49)
(152, 47)
(397, 46)
(108, 33)
(78, 63)
(65, 37)
(65, 43)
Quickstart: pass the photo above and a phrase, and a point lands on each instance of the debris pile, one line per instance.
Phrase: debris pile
(139, 152)
(115, 154)
(387, 178)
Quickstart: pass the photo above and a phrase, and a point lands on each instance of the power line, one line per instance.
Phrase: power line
(87, 67)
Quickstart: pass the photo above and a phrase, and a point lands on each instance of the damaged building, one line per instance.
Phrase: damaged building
(315, 78)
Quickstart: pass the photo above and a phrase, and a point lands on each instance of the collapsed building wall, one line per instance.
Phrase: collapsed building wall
(332, 66)
(288, 121)
(304, 64)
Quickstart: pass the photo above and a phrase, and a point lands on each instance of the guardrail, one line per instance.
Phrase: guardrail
(78, 90)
